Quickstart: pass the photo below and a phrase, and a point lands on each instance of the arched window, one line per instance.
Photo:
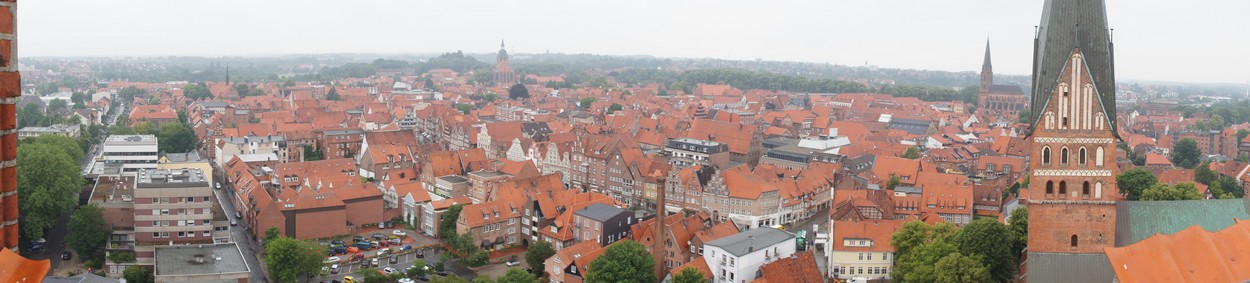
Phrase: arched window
(1081, 155)
(1063, 187)
(1046, 155)
(1073, 241)
(1085, 189)
(1050, 187)
(1098, 190)
(1063, 156)
(1098, 157)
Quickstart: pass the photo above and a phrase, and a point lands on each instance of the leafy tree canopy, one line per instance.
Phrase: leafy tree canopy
(625, 261)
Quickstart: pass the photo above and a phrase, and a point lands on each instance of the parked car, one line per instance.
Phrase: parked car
(374, 262)
(234, 223)
(356, 256)
(35, 247)
(333, 259)
(334, 269)
(364, 245)
(66, 255)
(389, 271)
(512, 262)
(398, 232)
(406, 280)
(420, 252)
(395, 241)
(337, 242)
(374, 245)
(359, 239)
(378, 236)
(238, 215)
(394, 259)
(364, 263)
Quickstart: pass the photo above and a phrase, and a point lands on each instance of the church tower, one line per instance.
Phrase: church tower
(503, 73)
(1072, 190)
(987, 70)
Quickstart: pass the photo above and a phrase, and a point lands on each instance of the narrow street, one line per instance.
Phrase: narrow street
(240, 235)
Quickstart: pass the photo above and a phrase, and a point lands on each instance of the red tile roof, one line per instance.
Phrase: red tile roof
(1191, 255)
(798, 268)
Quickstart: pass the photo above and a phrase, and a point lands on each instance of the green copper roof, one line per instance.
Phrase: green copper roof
(1138, 220)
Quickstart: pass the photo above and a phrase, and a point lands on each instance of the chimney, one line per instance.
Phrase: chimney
(657, 249)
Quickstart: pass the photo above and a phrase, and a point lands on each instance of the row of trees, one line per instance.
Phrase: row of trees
(1141, 184)
(173, 137)
(983, 251)
(48, 181)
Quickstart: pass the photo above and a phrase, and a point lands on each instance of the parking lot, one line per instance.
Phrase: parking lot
(405, 260)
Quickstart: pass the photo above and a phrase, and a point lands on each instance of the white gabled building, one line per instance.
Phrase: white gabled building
(738, 257)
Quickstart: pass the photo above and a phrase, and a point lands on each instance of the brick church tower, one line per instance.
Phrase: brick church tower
(10, 90)
(503, 73)
(1072, 190)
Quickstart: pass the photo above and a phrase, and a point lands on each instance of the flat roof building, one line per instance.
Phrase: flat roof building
(133, 152)
(65, 130)
(202, 263)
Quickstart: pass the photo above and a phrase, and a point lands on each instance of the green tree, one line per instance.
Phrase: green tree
(912, 153)
(311, 154)
(481, 278)
(516, 275)
(66, 144)
(90, 233)
(464, 108)
(1204, 175)
(1241, 134)
(290, 258)
(429, 84)
(892, 183)
(518, 91)
(417, 268)
(958, 268)
(1186, 154)
(624, 261)
(689, 275)
(1019, 225)
(30, 115)
(57, 105)
(447, 225)
(176, 138)
(586, 102)
(333, 94)
(128, 94)
(1182, 191)
(138, 274)
(1134, 181)
(477, 257)
(992, 242)
(49, 183)
(537, 253)
(918, 247)
(448, 279)
(79, 99)
(272, 234)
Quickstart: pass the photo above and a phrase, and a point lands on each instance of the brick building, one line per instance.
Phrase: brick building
(1072, 191)
(998, 102)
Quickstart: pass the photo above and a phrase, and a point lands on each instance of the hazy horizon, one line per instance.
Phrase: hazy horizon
(1151, 45)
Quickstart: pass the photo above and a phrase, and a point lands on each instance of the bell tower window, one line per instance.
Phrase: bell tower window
(1081, 156)
(1063, 187)
(1050, 187)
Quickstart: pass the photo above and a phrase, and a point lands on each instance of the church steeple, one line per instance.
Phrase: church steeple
(986, 65)
(987, 70)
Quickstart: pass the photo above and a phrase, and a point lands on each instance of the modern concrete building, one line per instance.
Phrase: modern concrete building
(252, 149)
(737, 258)
(201, 263)
(133, 152)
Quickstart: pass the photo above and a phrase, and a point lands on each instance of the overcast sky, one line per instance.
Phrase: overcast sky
(1190, 41)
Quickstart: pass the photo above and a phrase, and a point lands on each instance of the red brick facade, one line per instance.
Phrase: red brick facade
(10, 89)
(1072, 190)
